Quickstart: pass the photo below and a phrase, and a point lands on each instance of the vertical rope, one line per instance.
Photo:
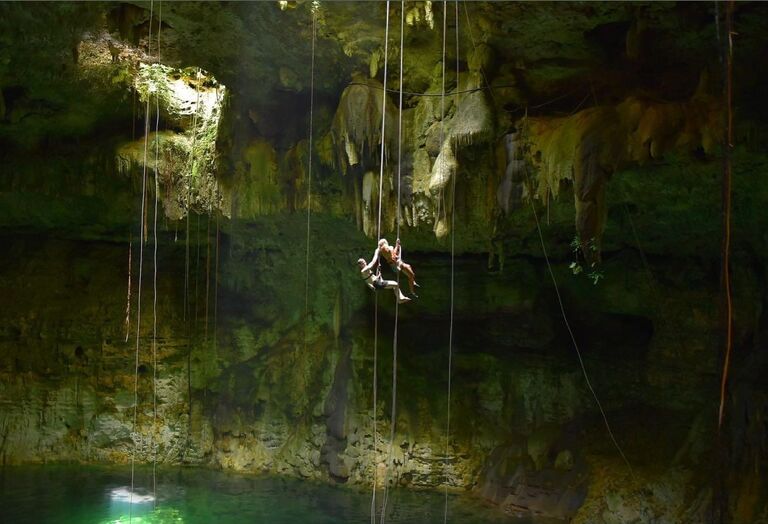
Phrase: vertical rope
(375, 400)
(309, 172)
(726, 248)
(207, 271)
(383, 121)
(189, 191)
(188, 266)
(573, 339)
(393, 415)
(128, 295)
(141, 268)
(453, 266)
(154, 277)
(554, 283)
(197, 272)
(216, 286)
(442, 197)
(440, 201)
(378, 236)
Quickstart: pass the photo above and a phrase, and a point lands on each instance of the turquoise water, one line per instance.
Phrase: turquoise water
(92, 495)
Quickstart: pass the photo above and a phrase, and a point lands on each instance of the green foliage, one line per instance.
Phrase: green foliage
(154, 80)
(578, 247)
(188, 161)
(122, 75)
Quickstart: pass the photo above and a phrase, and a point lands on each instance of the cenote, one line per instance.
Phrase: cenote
(407, 262)
(65, 494)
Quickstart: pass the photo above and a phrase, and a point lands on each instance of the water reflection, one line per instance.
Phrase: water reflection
(91, 495)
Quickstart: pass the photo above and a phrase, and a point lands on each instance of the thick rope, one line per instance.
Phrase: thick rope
(453, 267)
(393, 413)
(154, 277)
(141, 268)
(309, 173)
(378, 236)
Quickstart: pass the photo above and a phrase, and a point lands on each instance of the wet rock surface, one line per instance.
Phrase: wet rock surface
(604, 119)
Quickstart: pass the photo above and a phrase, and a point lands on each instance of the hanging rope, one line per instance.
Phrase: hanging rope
(726, 248)
(441, 203)
(141, 268)
(441, 198)
(189, 191)
(573, 338)
(309, 171)
(393, 415)
(128, 295)
(453, 267)
(197, 273)
(187, 264)
(554, 283)
(154, 277)
(216, 287)
(375, 400)
(376, 299)
(207, 271)
(383, 122)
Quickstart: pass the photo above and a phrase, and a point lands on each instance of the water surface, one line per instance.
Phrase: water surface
(97, 495)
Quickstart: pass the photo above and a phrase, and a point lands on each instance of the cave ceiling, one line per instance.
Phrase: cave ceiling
(539, 50)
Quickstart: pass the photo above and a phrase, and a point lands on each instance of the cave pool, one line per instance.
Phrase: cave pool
(63, 494)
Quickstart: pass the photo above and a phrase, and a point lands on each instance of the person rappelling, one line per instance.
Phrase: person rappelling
(375, 282)
(393, 255)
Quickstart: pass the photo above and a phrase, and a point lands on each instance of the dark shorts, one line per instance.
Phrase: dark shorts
(379, 283)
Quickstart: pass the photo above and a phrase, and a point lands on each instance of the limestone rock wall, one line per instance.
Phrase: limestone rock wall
(250, 387)
(264, 362)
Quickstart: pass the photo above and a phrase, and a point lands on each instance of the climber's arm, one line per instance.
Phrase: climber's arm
(375, 259)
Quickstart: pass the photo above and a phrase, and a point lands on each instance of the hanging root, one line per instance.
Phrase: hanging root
(207, 272)
(216, 285)
(726, 248)
(128, 299)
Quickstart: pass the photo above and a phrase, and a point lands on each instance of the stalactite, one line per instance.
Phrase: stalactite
(588, 147)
